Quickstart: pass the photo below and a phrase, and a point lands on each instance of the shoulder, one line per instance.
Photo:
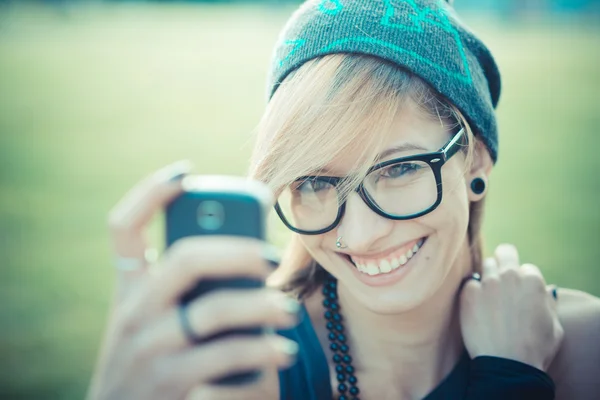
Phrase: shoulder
(576, 367)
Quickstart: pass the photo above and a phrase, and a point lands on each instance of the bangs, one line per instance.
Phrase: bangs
(331, 107)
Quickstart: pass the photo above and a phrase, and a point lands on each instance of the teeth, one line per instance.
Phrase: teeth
(386, 266)
(372, 269)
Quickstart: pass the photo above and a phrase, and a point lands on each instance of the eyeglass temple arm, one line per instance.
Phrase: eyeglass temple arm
(454, 145)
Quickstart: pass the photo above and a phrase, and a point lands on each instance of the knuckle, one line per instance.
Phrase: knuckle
(127, 320)
(535, 282)
(470, 289)
(491, 282)
(510, 274)
(145, 349)
(530, 269)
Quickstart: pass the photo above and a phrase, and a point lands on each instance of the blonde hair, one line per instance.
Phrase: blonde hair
(330, 106)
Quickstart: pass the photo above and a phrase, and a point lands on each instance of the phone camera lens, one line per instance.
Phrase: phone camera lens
(211, 215)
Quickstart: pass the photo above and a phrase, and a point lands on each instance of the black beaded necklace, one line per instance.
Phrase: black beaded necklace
(347, 382)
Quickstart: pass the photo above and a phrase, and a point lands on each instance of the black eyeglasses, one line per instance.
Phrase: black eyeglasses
(398, 189)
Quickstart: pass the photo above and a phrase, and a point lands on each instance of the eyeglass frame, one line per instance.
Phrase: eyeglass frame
(435, 160)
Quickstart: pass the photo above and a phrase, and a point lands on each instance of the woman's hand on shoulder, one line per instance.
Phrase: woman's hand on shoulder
(510, 313)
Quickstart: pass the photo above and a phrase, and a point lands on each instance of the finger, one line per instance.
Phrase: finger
(224, 310)
(265, 387)
(209, 257)
(533, 278)
(489, 268)
(533, 270)
(473, 277)
(469, 291)
(130, 216)
(232, 355)
(223, 392)
(507, 256)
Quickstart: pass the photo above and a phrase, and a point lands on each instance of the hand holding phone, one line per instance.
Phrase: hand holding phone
(225, 206)
(145, 354)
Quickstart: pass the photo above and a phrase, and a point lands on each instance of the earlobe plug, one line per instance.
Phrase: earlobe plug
(478, 185)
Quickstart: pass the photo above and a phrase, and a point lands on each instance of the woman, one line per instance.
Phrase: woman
(378, 140)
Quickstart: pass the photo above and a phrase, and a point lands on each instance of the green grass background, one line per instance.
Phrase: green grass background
(93, 98)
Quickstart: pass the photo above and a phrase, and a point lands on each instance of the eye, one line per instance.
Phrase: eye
(400, 170)
(310, 185)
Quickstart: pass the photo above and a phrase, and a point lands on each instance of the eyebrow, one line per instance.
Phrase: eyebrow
(399, 148)
(380, 156)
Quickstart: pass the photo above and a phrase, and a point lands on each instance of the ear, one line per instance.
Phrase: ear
(481, 167)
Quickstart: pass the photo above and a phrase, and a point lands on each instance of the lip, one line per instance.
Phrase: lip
(385, 255)
(389, 278)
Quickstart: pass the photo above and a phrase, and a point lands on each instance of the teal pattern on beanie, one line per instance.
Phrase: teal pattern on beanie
(424, 36)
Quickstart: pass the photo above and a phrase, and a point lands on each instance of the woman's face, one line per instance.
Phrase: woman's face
(426, 247)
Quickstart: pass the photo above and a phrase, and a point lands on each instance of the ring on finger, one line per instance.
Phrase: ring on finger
(186, 326)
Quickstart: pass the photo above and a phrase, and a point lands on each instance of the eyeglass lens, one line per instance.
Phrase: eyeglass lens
(400, 190)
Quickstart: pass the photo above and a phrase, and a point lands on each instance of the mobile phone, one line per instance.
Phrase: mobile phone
(220, 205)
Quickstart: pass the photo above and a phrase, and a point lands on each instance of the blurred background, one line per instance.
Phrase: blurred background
(95, 95)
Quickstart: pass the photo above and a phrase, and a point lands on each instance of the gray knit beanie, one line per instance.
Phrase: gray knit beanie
(423, 36)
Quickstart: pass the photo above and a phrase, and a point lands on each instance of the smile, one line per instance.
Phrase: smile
(389, 263)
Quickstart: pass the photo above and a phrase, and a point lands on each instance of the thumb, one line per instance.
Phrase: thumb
(129, 219)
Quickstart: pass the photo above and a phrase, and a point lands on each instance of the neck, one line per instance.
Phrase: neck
(416, 349)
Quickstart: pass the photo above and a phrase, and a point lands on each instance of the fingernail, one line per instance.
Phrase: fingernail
(178, 177)
(289, 305)
(286, 346)
(151, 255)
(271, 254)
(176, 171)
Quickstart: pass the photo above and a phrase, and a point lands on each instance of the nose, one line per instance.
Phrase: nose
(360, 226)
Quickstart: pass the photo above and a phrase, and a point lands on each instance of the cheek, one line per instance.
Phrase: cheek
(314, 244)
(451, 219)
(455, 200)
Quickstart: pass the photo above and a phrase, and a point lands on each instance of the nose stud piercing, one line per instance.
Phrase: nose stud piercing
(339, 243)
(478, 185)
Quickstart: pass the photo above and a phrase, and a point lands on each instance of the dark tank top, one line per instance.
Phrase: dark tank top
(481, 378)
